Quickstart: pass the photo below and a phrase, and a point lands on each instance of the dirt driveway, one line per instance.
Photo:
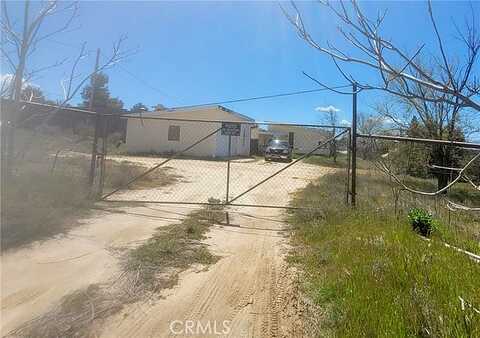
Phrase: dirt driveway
(205, 179)
(246, 293)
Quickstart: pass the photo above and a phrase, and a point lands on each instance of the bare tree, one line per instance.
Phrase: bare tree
(437, 119)
(451, 88)
(330, 117)
(459, 84)
(440, 117)
(368, 124)
(18, 44)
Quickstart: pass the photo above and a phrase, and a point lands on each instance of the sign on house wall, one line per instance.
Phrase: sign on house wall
(231, 128)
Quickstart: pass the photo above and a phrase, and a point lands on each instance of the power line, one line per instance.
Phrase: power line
(228, 101)
(145, 83)
(262, 97)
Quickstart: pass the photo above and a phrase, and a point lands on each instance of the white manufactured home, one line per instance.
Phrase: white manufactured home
(174, 133)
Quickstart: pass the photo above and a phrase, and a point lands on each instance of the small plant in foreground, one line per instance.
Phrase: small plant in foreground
(421, 221)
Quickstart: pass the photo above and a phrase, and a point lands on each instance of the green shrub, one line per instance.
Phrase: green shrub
(421, 221)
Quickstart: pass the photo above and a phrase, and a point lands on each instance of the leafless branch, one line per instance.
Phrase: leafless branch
(327, 87)
(441, 47)
(75, 81)
(26, 41)
(383, 167)
(29, 75)
(469, 180)
(365, 35)
(458, 206)
(73, 7)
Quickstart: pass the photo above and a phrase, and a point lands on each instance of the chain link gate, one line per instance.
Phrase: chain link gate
(221, 162)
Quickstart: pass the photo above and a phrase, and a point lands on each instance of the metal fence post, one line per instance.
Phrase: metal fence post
(103, 156)
(354, 145)
(349, 157)
(228, 166)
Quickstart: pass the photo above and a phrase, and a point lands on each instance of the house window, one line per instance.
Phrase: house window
(174, 133)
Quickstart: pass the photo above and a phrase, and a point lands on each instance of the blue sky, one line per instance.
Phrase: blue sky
(196, 52)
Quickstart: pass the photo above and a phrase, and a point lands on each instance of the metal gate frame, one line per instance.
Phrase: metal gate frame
(230, 202)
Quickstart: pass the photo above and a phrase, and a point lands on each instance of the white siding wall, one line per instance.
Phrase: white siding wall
(245, 138)
(152, 137)
(240, 144)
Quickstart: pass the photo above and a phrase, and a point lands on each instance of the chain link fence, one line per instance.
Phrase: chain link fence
(444, 180)
(47, 180)
(248, 163)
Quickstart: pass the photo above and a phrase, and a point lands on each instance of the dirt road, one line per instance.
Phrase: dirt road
(246, 293)
(35, 278)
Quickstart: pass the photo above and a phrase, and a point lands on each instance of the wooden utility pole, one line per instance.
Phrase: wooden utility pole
(93, 161)
(353, 144)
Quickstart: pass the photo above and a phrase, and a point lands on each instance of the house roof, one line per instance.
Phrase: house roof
(167, 111)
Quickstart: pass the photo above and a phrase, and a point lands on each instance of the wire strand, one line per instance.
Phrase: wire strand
(299, 92)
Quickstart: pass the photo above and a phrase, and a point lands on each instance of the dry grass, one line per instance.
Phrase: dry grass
(342, 161)
(460, 228)
(172, 249)
(48, 194)
(37, 205)
(371, 275)
(118, 174)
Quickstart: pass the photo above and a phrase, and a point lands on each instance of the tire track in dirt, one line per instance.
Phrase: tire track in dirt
(204, 299)
(241, 288)
(269, 310)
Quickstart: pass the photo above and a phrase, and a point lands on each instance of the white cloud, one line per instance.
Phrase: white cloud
(328, 109)
(345, 123)
(6, 78)
(388, 120)
(6, 81)
(5, 84)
